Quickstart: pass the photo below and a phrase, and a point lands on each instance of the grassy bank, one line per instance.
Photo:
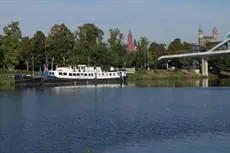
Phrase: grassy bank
(7, 77)
(165, 74)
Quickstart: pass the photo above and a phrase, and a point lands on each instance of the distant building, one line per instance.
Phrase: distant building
(203, 39)
(228, 36)
(131, 45)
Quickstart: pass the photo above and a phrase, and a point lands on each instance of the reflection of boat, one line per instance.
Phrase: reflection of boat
(80, 75)
(90, 86)
(71, 89)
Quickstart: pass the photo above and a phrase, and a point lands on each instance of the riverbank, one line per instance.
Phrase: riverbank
(167, 74)
(7, 77)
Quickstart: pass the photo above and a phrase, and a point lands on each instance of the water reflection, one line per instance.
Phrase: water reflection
(203, 83)
(72, 89)
(170, 83)
(63, 90)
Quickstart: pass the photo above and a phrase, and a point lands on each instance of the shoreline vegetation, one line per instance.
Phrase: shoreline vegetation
(158, 74)
(7, 77)
(87, 45)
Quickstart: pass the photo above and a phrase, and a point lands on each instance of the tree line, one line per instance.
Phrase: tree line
(62, 47)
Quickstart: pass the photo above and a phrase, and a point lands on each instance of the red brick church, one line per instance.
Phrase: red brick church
(131, 45)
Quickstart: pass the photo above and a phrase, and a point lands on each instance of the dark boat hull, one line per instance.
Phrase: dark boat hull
(23, 80)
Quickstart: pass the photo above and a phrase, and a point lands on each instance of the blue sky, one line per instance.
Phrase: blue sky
(159, 20)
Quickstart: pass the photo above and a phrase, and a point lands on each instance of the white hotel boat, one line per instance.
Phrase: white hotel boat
(80, 74)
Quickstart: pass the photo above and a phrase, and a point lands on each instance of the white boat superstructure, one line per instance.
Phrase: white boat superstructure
(85, 72)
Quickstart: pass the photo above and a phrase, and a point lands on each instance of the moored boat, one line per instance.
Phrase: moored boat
(79, 75)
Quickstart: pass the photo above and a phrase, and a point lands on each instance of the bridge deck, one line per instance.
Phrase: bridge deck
(210, 52)
(194, 55)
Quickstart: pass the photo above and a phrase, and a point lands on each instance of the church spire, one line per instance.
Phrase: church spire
(214, 33)
(130, 45)
(130, 33)
(200, 30)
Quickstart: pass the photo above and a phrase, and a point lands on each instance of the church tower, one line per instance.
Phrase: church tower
(203, 39)
(130, 41)
(201, 36)
(214, 34)
(201, 32)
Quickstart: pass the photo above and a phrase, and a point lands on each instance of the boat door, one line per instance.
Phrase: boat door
(95, 75)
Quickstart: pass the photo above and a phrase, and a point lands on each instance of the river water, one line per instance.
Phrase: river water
(150, 117)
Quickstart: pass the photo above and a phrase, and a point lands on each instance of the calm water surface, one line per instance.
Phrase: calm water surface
(131, 119)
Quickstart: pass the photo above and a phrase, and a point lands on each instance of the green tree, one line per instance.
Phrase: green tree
(1, 51)
(116, 37)
(179, 47)
(60, 44)
(175, 46)
(90, 33)
(222, 62)
(143, 52)
(25, 51)
(130, 59)
(156, 50)
(88, 37)
(117, 48)
(140, 59)
(11, 45)
(38, 49)
(98, 56)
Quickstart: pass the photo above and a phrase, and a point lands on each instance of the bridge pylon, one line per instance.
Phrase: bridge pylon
(204, 66)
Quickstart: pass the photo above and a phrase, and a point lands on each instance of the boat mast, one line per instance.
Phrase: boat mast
(52, 63)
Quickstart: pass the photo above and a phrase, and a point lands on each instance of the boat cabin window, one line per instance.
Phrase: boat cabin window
(102, 74)
(64, 73)
(85, 74)
(74, 74)
(113, 74)
(81, 74)
(60, 73)
(78, 74)
(110, 74)
(70, 74)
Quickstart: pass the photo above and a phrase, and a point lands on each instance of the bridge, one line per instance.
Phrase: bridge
(203, 55)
